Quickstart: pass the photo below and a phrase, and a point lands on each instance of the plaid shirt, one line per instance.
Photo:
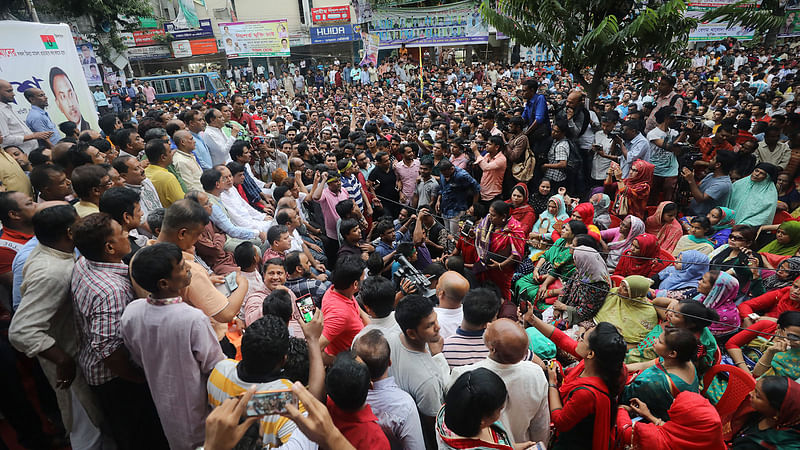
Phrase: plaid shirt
(303, 286)
(100, 292)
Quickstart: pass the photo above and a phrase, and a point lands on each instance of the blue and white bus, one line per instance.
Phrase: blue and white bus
(186, 85)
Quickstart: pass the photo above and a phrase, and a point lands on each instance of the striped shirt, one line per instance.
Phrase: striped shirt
(100, 292)
(224, 383)
(353, 188)
(464, 347)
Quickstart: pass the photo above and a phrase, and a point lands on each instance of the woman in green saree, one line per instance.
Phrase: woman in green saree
(556, 262)
(673, 373)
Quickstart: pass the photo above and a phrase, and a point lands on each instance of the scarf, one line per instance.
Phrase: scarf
(633, 316)
(590, 265)
(522, 211)
(702, 240)
(601, 203)
(722, 299)
(646, 263)
(693, 265)
(728, 219)
(547, 221)
(694, 424)
(667, 234)
(773, 282)
(754, 202)
(789, 414)
(603, 427)
(618, 247)
(791, 228)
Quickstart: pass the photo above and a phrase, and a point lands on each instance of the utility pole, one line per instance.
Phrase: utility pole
(32, 10)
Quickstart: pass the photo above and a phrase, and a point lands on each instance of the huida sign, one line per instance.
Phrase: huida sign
(337, 33)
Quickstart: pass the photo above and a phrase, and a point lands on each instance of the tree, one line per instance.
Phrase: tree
(765, 20)
(594, 38)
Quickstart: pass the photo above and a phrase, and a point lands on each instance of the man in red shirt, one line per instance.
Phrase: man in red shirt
(16, 214)
(720, 141)
(239, 115)
(347, 383)
(343, 317)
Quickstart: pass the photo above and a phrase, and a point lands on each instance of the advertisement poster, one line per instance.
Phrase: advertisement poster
(264, 38)
(89, 64)
(152, 52)
(456, 23)
(141, 38)
(715, 31)
(371, 46)
(791, 26)
(205, 30)
(330, 15)
(44, 56)
(184, 48)
(336, 33)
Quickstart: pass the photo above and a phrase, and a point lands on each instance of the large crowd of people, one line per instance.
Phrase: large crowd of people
(488, 260)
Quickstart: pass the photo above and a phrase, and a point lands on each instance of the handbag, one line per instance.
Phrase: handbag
(523, 170)
(621, 206)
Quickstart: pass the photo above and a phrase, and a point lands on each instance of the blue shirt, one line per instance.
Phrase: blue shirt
(16, 268)
(455, 193)
(201, 152)
(39, 120)
(638, 148)
(536, 108)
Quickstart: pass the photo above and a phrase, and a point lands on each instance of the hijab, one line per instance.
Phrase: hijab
(773, 282)
(617, 248)
(728, 219)
(633, 315)
(518, 212)
(789, 414)
(792, 228)
(722, 299)
(549, 219)
(694, 424)
(667, 234)
(539, 201)
(643, 175)
(589, 265)
(693, 265)
(755, 203)
(586, 211)
(601, 203)
(646, 263)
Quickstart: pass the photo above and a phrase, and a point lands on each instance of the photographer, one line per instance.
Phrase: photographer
(714, 188)
(632, 144)
(663, 153)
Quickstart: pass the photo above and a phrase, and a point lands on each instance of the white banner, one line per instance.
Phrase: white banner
(44, 56)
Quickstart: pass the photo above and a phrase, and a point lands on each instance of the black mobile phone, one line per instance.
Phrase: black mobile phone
(306, 307)
(264, 403)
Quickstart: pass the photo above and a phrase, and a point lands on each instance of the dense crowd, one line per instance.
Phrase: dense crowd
(488, 260)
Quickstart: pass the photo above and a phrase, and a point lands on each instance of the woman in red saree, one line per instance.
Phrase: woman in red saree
(665, 226)
(520, 209)
(632, 192)
(643, 258)
(500, 242)
(694, 424)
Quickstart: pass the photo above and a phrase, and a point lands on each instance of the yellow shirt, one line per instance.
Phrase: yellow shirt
(85, 208)
(12, 175)
(167, 186)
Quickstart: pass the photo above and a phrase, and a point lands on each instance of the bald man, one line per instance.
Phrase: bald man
(38, 120)
(450, 291)
(582, 124)
(527, 414)
(184, 161)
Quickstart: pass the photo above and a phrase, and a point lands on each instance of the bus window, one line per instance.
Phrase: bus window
(185, 84)
(158, 85)
(217, 84)
(172, 85)
(199, 84)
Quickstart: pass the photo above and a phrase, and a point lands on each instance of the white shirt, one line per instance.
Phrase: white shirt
(526, 415)
(241, 213)
(449, 320)
(396, 413)
(14, 130)
(218, 145)
(387, 325)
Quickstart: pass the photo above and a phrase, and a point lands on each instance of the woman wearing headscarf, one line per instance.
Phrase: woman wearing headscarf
(584, 293)
(754, 198)
(585, 213)
(539, 199)
(665, 226)
(694, 424)
(500, 243)
(632, 192)
(785, 273)
(619, 239)
(776, 420)
(520, 209)
(787, 240)
(555, 213)
(718, 291)
(644, 258)
(627, 307)
(722, 221)
(734, 257)
(601, 203)
(681, 279)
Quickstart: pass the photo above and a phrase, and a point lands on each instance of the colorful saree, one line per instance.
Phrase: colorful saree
(657, 388)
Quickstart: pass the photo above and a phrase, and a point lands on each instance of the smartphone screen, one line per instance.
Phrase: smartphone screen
(264, 403)
(306, 307)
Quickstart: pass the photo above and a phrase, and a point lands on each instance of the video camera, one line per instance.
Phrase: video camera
(689, 154)
(680, 121)
(412, 274)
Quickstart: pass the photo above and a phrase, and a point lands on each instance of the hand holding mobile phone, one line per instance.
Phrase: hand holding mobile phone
(265, 403)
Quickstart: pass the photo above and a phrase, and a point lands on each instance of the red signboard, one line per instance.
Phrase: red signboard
(331, 14)
(203, 46)
(147, 37)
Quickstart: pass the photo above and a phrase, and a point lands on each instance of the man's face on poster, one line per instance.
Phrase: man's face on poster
(87, 52)
(66, 99)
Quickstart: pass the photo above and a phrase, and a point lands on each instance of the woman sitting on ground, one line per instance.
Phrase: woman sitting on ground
(628, 309)
(665, 226)
(619, 239)
(776, 420)
(697, 238)
(718, 291)
(644, 258)
(734, 257)
(679, 280)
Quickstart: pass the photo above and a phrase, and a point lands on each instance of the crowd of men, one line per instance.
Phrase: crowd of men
(152, 269)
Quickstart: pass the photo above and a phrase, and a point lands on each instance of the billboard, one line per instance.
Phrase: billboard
(264, 38)
(206, 30)
(371, 46)
(330, 15)
(714, 31)
(152, 52)
(335, 33)
(454, 24)
(791, 24)
(141, 38)
(44, 56)
(89, 64)
(184, 48)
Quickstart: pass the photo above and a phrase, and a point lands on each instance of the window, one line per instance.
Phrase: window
(217, 84)
(172, 85)
(158, 85)
(198, 84)
(185, 84)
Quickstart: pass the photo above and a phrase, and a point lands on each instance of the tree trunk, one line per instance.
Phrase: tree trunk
(597, 80)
